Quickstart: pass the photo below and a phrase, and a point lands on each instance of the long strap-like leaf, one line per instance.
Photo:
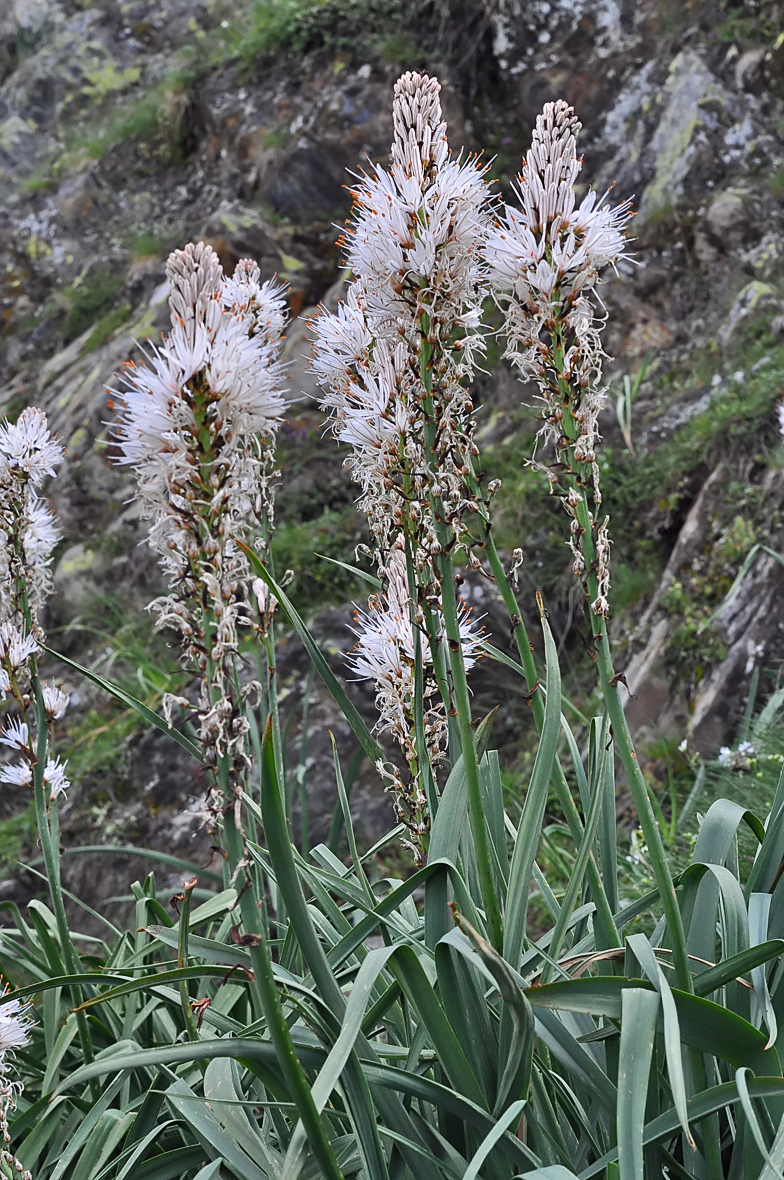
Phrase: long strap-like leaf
(131, 702)
(639, 1010)
(530, 827)
(341, 697)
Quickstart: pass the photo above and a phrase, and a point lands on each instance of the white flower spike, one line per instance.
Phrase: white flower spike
(395, 361)
(28, 530)
(198, 424)
(16, 646)
(15, 1026)
(415, 245)
(28, 447)
(544, 261)
(16, 774)
(54, 778)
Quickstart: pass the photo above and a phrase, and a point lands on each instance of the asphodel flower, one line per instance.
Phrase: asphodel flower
(28, 529)
(385, 652)
(15, 1025)
(396, 360)
(198, 425)
(396, 356)
(28, 536)
(545, 259)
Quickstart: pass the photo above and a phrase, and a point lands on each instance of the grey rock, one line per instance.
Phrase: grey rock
(681, 130)
(727, 219)
(748, 70)
(235, 231)
(754, 301)
(78, 571)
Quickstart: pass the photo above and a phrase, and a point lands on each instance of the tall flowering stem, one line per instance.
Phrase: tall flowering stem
(396, 360)
(198, 425)
(545, 259)
(29, 453)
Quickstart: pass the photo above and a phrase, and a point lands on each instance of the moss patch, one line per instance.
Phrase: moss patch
(106, 325)
(87, 300)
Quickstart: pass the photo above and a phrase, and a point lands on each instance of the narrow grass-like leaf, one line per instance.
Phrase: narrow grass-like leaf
(145, 712)
(127, 1171)
(161, 978)
(209, 1171)
(333, 1067)
(213, 907)
(463, 994)
(643, 952)
(581, 1064)
(712, 901)
(751, 1115)
(288, 881)
(101, 1144)
(575, 883)
(551, 1172)
(775, 1157)
(529, 828)
(349, 827)
(704, 1025)
(759, 909)
(57, 1053)
(448, 825)
(163, 858)
(371, 579)
(453, 809)
(718, 830)
(517, 1054)
(338, 692)
(243, 1049)
(510, 1115)
(195, 1112)
(170, 1165)
(86, 1128)
(225, 1100)
(729, 969)
(502, 658)
(206, 948)
(770, 853)
(419, 992)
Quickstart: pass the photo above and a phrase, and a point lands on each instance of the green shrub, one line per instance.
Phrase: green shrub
(358, 26)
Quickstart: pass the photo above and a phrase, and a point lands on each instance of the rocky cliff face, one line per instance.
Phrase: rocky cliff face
(127, 127)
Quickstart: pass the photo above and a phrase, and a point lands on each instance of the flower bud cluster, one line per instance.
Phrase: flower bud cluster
(385, 652)
(198, 425)
(395, 356)
(545, 259)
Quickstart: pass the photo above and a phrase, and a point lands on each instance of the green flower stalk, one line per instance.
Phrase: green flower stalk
(545, 260)
(396, 360)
